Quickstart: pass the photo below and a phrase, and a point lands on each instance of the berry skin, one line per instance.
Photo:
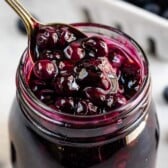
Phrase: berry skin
(95, 47)
(66, 67)
(51, 55)
(65, 105)
(65, 36)
(74, 52)
(88, 73)
(36, 85)
(85, 107)
(130, 80)
(66, 85)
(45, 70)
(95, 95)
(46, 38)
(116, 58)
(119, 100)
(46, 96)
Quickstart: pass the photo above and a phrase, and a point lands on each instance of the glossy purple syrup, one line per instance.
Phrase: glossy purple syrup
(77, 84)
(79, 70)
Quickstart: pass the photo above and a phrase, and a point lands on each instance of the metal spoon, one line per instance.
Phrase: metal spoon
(32, 24)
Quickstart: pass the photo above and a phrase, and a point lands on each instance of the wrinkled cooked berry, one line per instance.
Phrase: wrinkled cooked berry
(95, 47)
(45, 69)
(36, 85)
(74, 52)
(65, 105)
(65, 36)
(66, 67)
(117, 58)
(85, 107)
(51, 55)
(130, 80)
(119, 100)
(46, 38)
(109, 102)
(46, 96)
(88, 73)
(66, 85)
(95, 95)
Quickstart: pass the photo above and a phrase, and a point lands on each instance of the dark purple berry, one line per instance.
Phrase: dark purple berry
(119, 100)
(66, 67)
(46, 37)
(46, 96)
(109, 102)
(96, 95)
(74, 52)
(65, 105)
(65, 36)
(130, 79)
(45, 69)
(51, 55)
(117, 58)
(36, 85)
(85, 107)
(95, 47)
(66, 85)
(88, 73)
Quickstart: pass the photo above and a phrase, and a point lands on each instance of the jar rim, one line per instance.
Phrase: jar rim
(84, 119)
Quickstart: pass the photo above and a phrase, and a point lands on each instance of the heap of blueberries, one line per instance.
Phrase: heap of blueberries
(73, 74)
(159, 7)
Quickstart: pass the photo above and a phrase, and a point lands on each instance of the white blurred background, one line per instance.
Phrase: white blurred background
(13, 43)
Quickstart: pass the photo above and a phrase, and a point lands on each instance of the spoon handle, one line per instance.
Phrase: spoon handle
(26, 17)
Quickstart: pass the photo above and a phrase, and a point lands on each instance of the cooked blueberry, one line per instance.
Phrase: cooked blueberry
(88, 73)
(95, 47)
(109, 102)
(45, 69)
(65, 105)
(36, 85)
(85, 107)
(51, 55)
(46, 38)
(117, 58)
(153, 7)
(46, 96)
(74, 52)
(165, 94)
(65, 36)
(130, 80)
(66, 85)
(95, 95)
(66, 67)
(119, 100)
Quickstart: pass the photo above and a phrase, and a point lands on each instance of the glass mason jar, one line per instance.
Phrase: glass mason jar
(126, 137)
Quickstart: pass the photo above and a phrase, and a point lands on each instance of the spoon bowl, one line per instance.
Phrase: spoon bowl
(33, 26)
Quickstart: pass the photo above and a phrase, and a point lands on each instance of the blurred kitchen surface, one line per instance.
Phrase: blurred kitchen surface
(13, 43)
